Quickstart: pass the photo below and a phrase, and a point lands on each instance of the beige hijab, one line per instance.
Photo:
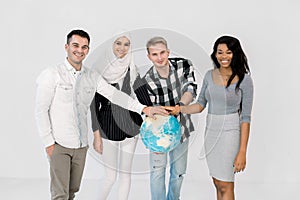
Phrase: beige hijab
(116, 69)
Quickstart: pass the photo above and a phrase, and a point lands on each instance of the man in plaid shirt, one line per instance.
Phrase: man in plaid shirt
(170, 82)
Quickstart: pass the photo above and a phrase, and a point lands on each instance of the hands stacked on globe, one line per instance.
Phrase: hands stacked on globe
(162, 134)
(159, 131)
(173, 110)
(162, 110)
(150, 111)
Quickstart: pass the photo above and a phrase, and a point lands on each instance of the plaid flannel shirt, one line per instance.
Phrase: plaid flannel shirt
(168, 92)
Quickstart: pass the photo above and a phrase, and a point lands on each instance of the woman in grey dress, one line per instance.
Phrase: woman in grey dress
(228, 90)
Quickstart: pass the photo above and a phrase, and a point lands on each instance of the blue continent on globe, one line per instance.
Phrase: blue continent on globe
(162, 134)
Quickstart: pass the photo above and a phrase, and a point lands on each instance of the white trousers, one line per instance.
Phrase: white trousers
(117, 158)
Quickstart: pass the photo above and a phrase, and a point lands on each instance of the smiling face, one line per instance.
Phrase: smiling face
(77, 48)
(224, 55)
(121, 47)
(159, 54)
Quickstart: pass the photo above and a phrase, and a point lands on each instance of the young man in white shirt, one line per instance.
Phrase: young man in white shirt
(64, 95)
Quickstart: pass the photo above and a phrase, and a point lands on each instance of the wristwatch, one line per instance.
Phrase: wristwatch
(180, 103)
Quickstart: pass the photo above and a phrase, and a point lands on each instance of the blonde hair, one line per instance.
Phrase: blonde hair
(156, 40)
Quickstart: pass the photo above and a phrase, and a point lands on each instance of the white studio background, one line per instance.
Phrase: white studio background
(33, 34)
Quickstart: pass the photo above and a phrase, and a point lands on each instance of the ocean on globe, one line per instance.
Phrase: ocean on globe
(162, 134)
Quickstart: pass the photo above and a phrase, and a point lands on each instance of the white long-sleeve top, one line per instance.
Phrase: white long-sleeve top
(63, 99)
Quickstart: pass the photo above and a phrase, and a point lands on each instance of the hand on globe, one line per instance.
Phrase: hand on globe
(151, 110)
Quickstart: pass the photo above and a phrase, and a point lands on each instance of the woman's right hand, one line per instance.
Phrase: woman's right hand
(97, 143)
(173, 110)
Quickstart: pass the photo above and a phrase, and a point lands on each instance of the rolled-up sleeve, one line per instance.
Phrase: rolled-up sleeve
(189, 82)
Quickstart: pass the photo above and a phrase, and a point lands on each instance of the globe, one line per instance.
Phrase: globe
(162, 134)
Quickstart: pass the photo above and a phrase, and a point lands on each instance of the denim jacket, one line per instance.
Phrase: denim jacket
(63, 101)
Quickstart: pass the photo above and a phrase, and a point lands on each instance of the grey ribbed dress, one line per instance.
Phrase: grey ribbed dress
(222, 134)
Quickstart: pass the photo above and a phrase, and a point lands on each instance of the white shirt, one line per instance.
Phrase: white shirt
(63, 100)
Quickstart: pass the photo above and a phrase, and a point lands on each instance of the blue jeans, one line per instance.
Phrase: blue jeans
(158, 164)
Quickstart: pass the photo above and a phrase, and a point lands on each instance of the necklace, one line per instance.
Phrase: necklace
(226, 77)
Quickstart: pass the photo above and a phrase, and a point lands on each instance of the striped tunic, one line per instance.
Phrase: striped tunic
(114, 122)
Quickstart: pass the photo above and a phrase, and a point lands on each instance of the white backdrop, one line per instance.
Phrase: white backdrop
(33, 36)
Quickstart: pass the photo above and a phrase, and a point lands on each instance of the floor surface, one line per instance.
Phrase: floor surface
(37, 189)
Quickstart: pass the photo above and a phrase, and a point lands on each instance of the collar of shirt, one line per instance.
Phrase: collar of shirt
(156, 74)
(71, 69)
